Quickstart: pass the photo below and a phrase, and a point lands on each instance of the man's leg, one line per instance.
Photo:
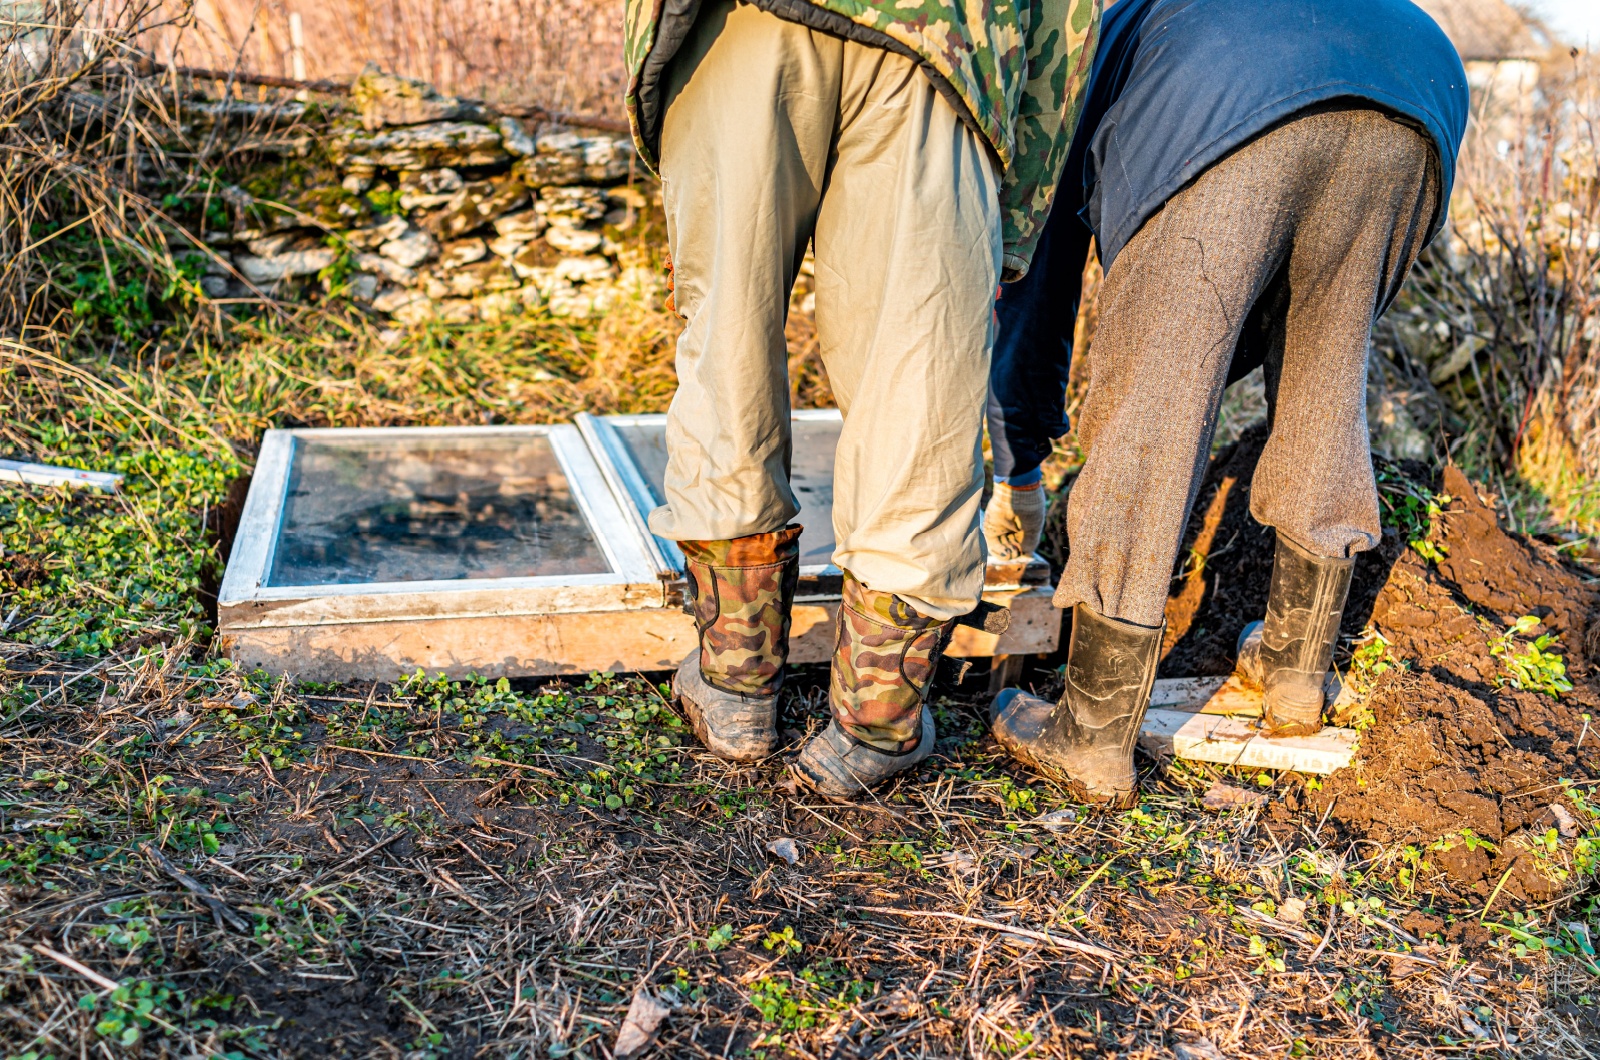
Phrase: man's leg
(1352, 250)
(751, 109)
(1171, 310)
(745, 143)
(908, 255)
(1353, 247)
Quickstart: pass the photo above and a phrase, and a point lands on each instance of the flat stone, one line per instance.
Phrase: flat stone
(389, 99)
(392, 299)
(480, 277)
(474, 206)
(530, 265)
(456, 311)
(418, 310)
(593, 269)
(284, 242)
(573, 240)
(514, 136)
(432, 146)
(500, 305)
(571, 206)
(506, 246)
(362, 286)
(462, 252)
(392, 271)
(421, 200)
(411, 249)
(1236, 741)
(375, 236)
(259, 270)
(562, 157)
(429, 188)
(523, 224)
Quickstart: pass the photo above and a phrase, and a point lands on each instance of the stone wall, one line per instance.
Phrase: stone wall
(426, 207)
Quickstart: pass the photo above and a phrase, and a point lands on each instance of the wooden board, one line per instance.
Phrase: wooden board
(567, 642)
(1236, 742)
(1212, 719)
(1229, 697)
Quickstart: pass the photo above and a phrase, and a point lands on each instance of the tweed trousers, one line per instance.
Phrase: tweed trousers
(1284, 252)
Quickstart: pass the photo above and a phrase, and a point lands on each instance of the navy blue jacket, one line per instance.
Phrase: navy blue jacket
(1177, 85)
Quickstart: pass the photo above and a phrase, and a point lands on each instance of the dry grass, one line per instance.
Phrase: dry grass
(429, 871)
(1498, 331)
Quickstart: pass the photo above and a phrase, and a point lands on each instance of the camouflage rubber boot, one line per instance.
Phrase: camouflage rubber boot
(883, 668)
(1289, 655)
(1085, 740)
(741, 596)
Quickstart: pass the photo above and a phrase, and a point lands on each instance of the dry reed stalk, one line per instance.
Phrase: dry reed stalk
(1504, 310)
(558, 53)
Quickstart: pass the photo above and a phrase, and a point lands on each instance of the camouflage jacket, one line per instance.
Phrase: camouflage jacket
(1018, 68)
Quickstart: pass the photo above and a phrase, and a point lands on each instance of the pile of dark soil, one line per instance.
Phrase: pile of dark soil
(1488, 785)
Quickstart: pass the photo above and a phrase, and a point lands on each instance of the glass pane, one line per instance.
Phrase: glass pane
(811, 476)
(426, 508)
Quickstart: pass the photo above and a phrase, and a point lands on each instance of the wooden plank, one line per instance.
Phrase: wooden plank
(1236, 742)
(1035, 627)
(1184, 693)
(439, 601)
(517, 645)
(1004, 672)
(1228, 696)
(493, 646)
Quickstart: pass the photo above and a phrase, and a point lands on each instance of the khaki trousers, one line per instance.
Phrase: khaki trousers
(776, 135)
(1286, 248)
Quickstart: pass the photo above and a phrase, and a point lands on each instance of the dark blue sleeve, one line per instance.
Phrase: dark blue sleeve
(1033, 347)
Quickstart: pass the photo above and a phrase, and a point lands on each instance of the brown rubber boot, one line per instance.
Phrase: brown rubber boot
(883, 669)
(1085, 740)
(1288, 656)
(741, 596)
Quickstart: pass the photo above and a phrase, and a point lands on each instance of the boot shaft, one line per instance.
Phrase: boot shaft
(883, 666)
(741, 594)
(1304, 608)
(1111, 667)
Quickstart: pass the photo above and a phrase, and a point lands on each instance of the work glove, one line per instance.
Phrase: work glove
(1014, 520)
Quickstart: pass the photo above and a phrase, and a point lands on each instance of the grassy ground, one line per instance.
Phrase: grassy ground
(197, 861)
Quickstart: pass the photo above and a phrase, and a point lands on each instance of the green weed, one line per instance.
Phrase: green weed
(1413, 511)
(1534, 667)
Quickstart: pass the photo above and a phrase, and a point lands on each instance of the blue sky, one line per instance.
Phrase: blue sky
(1574, 20)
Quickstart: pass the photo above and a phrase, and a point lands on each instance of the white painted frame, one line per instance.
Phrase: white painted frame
(244, 599)
(627, 481)
(613, 451)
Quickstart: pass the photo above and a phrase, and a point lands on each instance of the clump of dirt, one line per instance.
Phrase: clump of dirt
(1491, 786)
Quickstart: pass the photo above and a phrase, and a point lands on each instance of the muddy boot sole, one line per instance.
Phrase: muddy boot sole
(1018, 722)
(736, 727)
(836, 765)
